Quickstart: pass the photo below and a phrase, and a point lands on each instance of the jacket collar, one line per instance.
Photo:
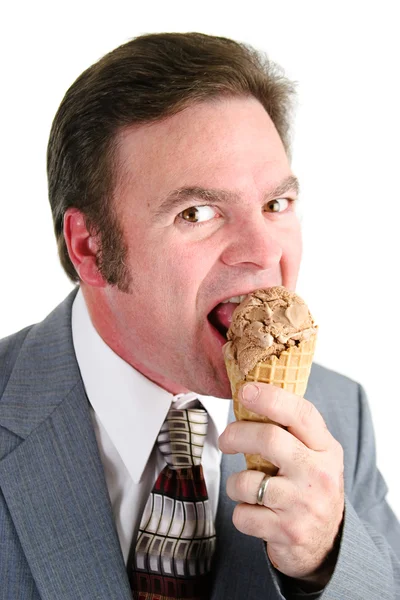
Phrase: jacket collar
(53, 481)
(43, 375)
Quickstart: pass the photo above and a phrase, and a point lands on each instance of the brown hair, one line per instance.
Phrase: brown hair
(148, 78)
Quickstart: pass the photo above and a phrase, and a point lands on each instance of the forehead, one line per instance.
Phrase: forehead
(225, 143)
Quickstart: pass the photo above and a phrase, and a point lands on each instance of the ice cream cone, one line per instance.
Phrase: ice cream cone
(289, 371)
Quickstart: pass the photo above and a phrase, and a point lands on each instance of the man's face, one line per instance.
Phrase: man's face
(204, 220)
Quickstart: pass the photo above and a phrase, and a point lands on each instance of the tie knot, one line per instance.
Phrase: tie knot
(182, 435)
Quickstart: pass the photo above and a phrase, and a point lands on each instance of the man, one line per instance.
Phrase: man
(171, 192)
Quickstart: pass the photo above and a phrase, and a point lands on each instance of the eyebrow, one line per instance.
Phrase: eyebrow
(176, 198)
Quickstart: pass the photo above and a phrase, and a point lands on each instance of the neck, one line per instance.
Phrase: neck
(104, 322)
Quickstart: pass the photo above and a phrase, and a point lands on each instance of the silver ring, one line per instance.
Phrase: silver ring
(262, 489)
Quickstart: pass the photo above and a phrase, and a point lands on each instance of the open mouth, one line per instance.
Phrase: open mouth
(216, 322)
(221, 315)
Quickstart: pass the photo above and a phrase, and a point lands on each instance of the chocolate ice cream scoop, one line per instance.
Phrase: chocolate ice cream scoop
(266, 323)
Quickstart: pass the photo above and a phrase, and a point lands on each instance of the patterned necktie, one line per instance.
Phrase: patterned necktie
(176, 537)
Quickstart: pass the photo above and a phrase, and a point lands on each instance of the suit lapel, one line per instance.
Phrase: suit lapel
(53, 481)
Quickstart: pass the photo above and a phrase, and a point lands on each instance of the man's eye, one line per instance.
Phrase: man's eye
(197, 214)
(277, 205)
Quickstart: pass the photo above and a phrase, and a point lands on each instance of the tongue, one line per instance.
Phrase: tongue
(221, 316)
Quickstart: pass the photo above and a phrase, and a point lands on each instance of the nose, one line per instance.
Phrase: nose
(253, 243)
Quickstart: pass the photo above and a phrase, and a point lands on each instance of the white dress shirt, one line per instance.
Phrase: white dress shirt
(128, 410)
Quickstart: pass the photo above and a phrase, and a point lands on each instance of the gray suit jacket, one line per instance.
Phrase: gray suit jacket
(57, 535)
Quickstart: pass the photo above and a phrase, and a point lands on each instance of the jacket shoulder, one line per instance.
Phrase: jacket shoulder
(337, 398)
(327, 379)
(10, 347)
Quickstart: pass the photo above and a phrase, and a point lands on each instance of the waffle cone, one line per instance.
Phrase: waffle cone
(290, 371)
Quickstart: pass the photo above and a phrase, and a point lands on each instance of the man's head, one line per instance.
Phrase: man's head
(160, 126)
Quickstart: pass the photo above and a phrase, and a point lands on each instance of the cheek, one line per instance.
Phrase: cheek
(189, 262)
(292, 239)
(187, 272)
(292, 247)
(169, 274)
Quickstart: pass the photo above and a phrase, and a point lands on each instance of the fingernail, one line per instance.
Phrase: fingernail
(250, 392)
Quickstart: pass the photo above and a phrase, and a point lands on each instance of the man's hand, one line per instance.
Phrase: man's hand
(304, 502)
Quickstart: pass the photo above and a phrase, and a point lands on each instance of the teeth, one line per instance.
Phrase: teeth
(234, 299)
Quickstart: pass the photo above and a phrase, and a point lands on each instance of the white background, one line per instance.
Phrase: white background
(345, 58)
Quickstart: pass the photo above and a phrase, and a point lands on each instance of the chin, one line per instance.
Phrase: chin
(217, 386)
(223, 390)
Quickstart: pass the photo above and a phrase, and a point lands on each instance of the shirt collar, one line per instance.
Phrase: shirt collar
(130, 407)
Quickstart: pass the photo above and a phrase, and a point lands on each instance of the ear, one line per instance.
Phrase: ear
(82, 248)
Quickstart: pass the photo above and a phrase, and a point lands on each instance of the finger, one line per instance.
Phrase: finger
(290, 410)
(273, 443)
(259, 522)
(280, 493)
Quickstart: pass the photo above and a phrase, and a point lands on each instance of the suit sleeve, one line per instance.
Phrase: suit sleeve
(368, 563)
